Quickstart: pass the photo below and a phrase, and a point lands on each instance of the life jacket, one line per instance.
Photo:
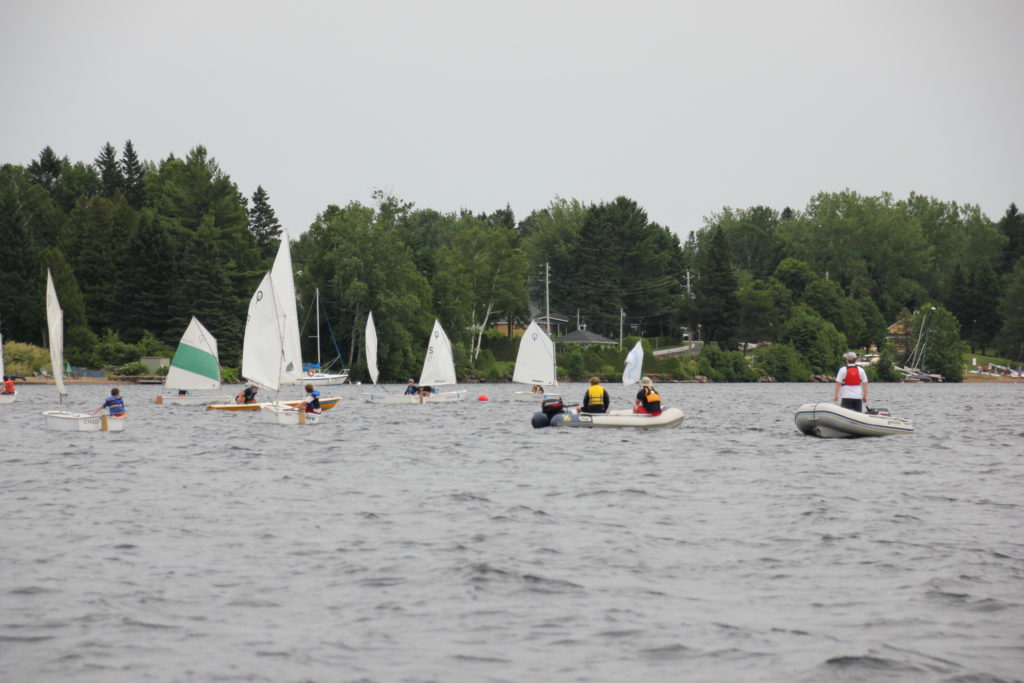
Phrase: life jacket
(115, 404)
(9, 387)
(313, 405)
(652, 400)
(852, 378)
(596, 394)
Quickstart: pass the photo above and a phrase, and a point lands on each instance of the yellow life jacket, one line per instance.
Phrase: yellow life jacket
(652, 395)
(596, 394)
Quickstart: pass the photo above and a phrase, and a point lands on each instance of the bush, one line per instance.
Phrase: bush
(782, 362)
(24, 360)
(131, 369)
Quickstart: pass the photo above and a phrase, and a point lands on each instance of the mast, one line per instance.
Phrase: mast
(547, 296)
(318, 329)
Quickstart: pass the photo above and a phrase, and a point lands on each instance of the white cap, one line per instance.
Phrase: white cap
(850, 355)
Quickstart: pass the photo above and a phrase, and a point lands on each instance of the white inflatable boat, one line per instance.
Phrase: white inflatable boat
(829, 420)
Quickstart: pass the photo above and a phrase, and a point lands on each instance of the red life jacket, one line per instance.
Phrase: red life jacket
(852, 378)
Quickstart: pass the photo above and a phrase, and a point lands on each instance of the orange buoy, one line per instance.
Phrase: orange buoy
(483, 397)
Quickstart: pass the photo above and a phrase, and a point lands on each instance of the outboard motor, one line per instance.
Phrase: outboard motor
(549, 407)
(881, 412)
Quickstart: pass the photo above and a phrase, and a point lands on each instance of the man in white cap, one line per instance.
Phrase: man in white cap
(851, 384)
(647, 399)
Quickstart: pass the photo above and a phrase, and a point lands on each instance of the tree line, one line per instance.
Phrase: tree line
(137, 247)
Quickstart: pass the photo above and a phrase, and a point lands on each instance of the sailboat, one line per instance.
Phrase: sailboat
(272, 340)
(4, 398)
(634, 365)
(314, 372)
(438, 370)
(535, 364)
(194, 367)
(64, 420)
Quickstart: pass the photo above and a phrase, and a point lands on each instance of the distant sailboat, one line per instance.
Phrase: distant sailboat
(535, 364)
(315, 374)
(64, 420)
(438, 370)
(634, 365)
(194, 367)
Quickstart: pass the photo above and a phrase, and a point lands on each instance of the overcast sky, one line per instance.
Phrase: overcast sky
(685, 107)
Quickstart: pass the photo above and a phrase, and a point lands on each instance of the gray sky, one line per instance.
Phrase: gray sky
(685, 107)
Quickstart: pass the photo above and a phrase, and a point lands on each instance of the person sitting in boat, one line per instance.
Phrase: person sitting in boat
(648, 401)
(411, 388)
(114, 404)
(851, 384)
(537, 389)
(596, 399)
(427, 391)
(8, 385)
(183, 392)
(247, 395)
(312, 400)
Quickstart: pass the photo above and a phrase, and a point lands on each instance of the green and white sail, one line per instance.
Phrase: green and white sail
(195, 364)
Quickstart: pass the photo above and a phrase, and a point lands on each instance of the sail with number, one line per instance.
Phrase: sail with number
(535, 362)
(438, 366)
(194, 365)
(371, 348)
(287, 313)
(262, 346)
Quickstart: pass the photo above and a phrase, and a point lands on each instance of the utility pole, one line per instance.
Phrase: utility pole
(547, 295)
(622, 317)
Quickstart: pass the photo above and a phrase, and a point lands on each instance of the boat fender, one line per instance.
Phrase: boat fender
(540, 419)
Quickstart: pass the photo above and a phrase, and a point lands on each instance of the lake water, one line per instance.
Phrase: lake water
(457, 543)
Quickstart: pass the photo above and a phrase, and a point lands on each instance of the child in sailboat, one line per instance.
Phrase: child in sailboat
(114, 404)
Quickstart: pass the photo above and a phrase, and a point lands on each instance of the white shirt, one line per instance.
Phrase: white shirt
(851, 390)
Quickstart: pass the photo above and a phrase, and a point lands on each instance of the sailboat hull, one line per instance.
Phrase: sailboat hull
(278, 414)
(172, 400)
(323, 379)
(325, 404)
(6, 399)
(530, 397)
(65, 421)
(416, 399)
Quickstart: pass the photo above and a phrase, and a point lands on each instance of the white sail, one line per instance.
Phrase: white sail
(438, 366)
(634, 365)
(287, 311)
(371, 348)
(194, 365)
(55, 325)
(535, 363)
(262, 345)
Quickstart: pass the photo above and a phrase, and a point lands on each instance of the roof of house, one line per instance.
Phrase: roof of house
(584, 337)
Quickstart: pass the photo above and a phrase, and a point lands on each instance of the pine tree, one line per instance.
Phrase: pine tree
(47, 169)
(718, 305)
(134, 174)
(264, 224)
(150, 265)
(110, 171)
(1011, 226)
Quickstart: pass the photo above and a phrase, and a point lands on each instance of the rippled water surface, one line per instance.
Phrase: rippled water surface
(456, 543)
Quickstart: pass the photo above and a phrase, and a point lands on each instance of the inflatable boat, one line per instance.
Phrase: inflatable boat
(554, 414)
(829, 420)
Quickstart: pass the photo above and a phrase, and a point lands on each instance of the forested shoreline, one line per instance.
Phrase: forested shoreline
(137, 247)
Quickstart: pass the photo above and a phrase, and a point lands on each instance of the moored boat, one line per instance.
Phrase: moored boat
(830, 420)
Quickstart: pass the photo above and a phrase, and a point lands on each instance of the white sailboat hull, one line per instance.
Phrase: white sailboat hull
(530, 397)
(6, 399)
(66, 421)
(281, 415)
(830, 420)
(416, 399)
(321, 379)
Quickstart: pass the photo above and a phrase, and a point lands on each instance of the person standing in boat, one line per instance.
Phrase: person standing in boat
(648, 401)
(114, 404)
(596, 399)
(312, 400)
(851, 385)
